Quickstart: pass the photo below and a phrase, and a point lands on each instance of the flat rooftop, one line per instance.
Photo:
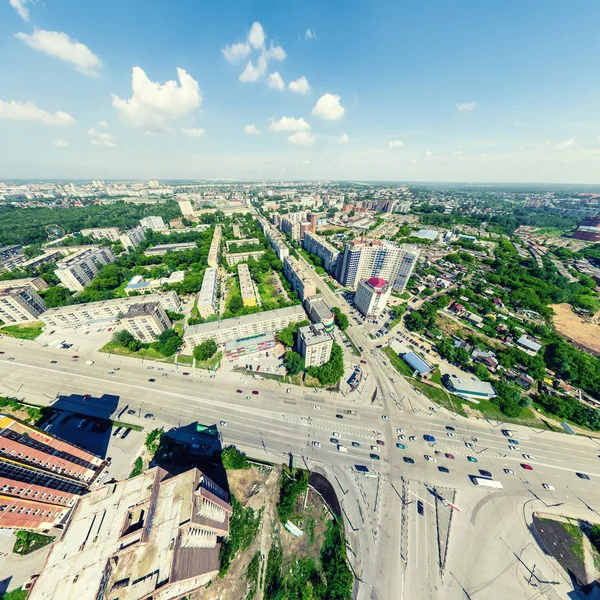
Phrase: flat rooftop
(144, 309)
(314, 334)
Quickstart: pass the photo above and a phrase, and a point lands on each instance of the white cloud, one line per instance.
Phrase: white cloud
(253, 73)
(252, 130)
(21, 8)
(61, 46)
(562, 145)
(299, 86)
(328, 107)
(153, 104)
(274, 81)
(28, 111)
(256, 35)
(102, 124)
(465, 106)
(309, 35)
(275, 52)
(428, 153)
(194, 132)
(396, 144)
(344, 139)
(236, 52)
(302, 138)
(100, 138)
(60, 144)
(289, 124)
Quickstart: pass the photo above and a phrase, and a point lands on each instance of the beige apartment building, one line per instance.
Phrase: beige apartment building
(35, 283)
(146, 321)
(213, 253)
(299, 278)
(314, 344)
(246, 285)
(20, 305)
(208, 297)
(80, 269)
(102, 233)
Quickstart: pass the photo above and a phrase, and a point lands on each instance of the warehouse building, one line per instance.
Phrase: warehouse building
(467, 388)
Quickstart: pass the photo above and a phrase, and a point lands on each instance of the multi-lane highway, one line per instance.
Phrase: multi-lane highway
(395, 547)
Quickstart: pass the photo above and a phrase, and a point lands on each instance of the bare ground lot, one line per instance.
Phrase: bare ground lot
(572, 327)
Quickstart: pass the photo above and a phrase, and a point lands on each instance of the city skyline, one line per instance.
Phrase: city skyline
(394, 93)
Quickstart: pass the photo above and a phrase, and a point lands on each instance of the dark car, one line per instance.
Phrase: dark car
(409, 460)
(401, 446)
(374, 456)
(420, 507)
(131, 411)
(355, 445)
(515, 442)
(485, 473)
(363, 362)
(148, 416)
(450, 428)
(334, 440)
(444, 469)
(429, 438)
(582, 476)
(380, 442)
(255, 392)
(52, 362)
(125, 433)
(339, 416)
(152, 380)
(448, 455)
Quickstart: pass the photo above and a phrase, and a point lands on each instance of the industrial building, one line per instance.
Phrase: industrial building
(105, 311)
(41, 476)
(20, 305)
(246, 285)
(208, 296)
(467, 388)
(243, 327)
(146, 321)
(154, 223)
(102, 233)
(314, 344)
(319, 312)
(372, 295)
(36, 284)
(164, 248)
(80, 269)
(155, 536)
(299, 278)
(319, 246)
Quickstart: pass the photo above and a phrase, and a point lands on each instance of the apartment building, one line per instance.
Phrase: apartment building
(236, 231)
(244, 242)
(36, 284)
(213, 253)
(155, 536)
(234, 259)
(154, 223)
(409, 255)
(246, 285)
(244, 327)
(276, 239)
(104, 312)
(314, 344)
(132, 238)
(298, 276)
(208, 298)
(20, 305)
(372, 295)
(319, 246)
(38, 261)
(292, 223)
(146, 321)
(41, 476)
(162, 249)
(102, 233)
(319, 312)
(11, 258)
(80, 269)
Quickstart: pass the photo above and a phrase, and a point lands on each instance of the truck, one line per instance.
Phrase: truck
(487, 482)
(342, 448)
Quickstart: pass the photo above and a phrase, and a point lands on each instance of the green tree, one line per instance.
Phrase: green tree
(205, 350)
(168, 342)
(233, 459)
(56, 296)
(294, 363)
(341, 319)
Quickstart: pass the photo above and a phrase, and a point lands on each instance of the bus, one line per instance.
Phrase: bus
(487, 482)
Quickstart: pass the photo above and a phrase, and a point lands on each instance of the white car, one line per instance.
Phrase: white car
(317, 407)
(375, 448)
(450, 434)
(384, 417)
(248, 397)
(317, 444)
(429, 458)
(289, 390)
(528, 457)
(547, 486)
(509, 471)
(469, 445)
(401, 437)
(336, 434)
(412, 438)
(512, 448)
(224, 423)
(399, 430)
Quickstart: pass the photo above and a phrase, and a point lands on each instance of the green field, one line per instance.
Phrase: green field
(23, 332)
(148, 353)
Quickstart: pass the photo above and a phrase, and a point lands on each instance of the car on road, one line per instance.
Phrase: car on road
(150, 368)
(451, 435)
(148, 416)
(515, 442)
(409, 460)
(412, 438)
(75, 356)
(450, 428)
(131, 411)
(363, 362)
(385, 417)
(469, 445)
(429, 458)
(74, 360)
(582, 476)
(339, 416)
(335, 434)
(152, 380)
(526, 467)
(512, 448)
(334, 440)
(485, 473)
(164, 374)
(375, 448)
(185, 373)
(255, 392)
(380, 442)
(528, 457)
(471, 459)
(420, 508)
(111, 372)
(240, 391)
(428, 438)
(316, 444)
(547, 486)
(401, 437)
(443, 469)
(401, 446)
(316, 407)
(374, 456)
(11, 358)
(507, 432)
(450, 456)
(53, 362)
(355, 445)
(399, 430)
(288, 391)
(509, 471)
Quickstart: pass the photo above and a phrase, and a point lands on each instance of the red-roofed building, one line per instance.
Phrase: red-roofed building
(371, 296)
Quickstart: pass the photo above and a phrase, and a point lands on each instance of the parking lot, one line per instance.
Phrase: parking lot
(80, 339)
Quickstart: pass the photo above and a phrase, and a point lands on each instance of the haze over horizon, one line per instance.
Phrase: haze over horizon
(435, 93)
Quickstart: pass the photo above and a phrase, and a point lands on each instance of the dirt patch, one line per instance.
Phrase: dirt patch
(571, 326)
(247, 483)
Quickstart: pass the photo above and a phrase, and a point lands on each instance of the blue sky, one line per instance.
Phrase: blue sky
(439, 90)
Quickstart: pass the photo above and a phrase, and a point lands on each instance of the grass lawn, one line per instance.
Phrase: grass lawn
(18, 594)
(436, 376)
(185, 360)
(210, 363)
(398, 363)
(27, 331)
(150, 353)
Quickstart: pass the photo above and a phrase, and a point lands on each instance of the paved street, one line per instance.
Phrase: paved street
(394, 549)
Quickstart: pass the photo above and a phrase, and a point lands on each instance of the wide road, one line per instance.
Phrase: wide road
(394, 548)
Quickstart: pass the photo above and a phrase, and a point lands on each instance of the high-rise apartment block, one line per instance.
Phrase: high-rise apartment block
(208, 297)
(132, 238)
(297, 224)
(319, 246)
(146, 321)
(80, 269)
(376, 258)
(213, 253)
(299, 278)
(20, 305)
(276, 239)
(41, 476)
(155, 536)
(314, 344)
(154, 223)
(246, 285)
(372, 295)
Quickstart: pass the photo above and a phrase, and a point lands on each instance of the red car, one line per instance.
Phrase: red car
(255, 392)
(240, 392)
(86, 396)
(448, 455)
(364, 362)
(75, 356)
(381, 442)
(527, 467)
